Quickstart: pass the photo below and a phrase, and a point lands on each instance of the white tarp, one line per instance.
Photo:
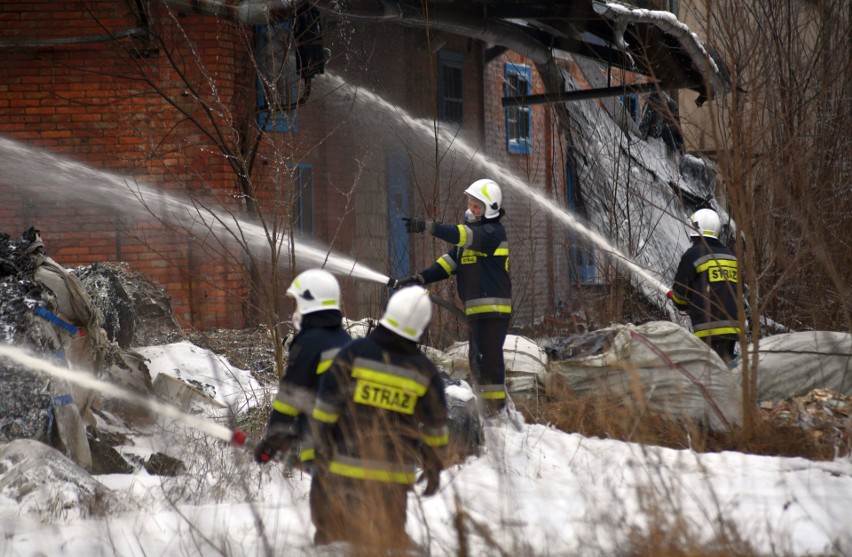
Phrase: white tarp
(659, 365)
(794, 364)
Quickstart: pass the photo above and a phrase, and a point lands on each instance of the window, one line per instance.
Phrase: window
(303, 203)
(451, 87)
(278, 84)
(518, 122)
(631, 106)
(581, 258)
(674, 7)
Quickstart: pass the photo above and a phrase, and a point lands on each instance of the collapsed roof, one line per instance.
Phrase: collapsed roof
(647, 42)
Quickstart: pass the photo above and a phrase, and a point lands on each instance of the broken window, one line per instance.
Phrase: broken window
(451, 87)
(518, 121)
(581, 257)
(278, 83)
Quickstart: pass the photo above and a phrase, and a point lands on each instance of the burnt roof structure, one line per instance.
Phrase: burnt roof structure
(647, 42)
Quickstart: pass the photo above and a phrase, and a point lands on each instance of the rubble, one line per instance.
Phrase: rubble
(825, 415)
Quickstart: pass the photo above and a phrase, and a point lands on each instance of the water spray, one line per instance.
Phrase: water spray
(427, 127)
(50, 177)
(235, 437)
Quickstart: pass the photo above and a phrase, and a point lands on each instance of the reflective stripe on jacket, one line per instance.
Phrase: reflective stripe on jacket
(310, 355)
(480, 260)
(379, 400)
(705, 286)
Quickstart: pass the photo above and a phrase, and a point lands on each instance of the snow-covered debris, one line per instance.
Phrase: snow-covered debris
(37, 479)
(136, 311)
(209, 373)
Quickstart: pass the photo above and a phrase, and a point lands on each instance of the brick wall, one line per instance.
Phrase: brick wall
(85, 102)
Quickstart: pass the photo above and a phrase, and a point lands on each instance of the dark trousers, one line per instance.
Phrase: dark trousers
(724, 347)
(485, 352)
(367, 514)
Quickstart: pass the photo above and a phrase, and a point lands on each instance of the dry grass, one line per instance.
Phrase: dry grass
(606, 419)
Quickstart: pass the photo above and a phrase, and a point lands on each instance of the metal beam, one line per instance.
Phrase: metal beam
(584, 94)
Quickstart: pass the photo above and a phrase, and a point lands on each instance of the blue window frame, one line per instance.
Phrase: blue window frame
(451, 87)
(518, 81)
(631, 106)
(303, 202)
(581, 258)
(278, 82)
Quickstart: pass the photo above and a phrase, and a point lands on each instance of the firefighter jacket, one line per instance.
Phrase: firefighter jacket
(480, 259)
(705, 286)
(378, 404)
(310, 355)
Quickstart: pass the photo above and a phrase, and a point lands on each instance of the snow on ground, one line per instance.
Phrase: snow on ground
(534, 491)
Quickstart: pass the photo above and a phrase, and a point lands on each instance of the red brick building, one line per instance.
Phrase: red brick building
(172, 101)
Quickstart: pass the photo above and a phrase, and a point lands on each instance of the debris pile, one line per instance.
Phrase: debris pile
(824, 414)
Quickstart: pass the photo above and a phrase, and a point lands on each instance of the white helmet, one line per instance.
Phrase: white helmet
(705, 222)
(408, 312)
(489, 193)
(315, 290)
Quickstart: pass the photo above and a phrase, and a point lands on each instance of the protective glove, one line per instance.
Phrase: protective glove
(431, 474)
(401, 283)
(414, 225)
(278, 440)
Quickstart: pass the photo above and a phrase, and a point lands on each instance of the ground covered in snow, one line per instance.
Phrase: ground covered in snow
(534, 491)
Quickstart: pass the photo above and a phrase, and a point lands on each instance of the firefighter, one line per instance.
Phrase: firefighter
(705, 285)
(380, 410)
(317, 321)
(480, 259)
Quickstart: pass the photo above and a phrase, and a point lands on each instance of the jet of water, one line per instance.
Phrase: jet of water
(87, 381)
(50, 177)
(495, 170)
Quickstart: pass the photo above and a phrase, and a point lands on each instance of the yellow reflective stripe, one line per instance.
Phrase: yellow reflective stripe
(716, 263)
(361, 473)
(389, 379)
(445, 266)
(490, 308)
(678, 300)
(501, 252)
(284, 408)
(436, 440)
(307, 454)
(325, 417)
(462, 235)
(718, 331)
(493, 395)
(323, 366)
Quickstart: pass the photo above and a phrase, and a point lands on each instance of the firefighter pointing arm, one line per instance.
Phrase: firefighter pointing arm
(380, 412)
(480, 260)
(705, 285)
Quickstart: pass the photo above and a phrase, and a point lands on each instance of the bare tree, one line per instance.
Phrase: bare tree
(782, 140)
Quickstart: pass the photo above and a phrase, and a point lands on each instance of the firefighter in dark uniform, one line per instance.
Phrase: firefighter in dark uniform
(380, 410)
(319, 337)
(705, 285)
(480, 259)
